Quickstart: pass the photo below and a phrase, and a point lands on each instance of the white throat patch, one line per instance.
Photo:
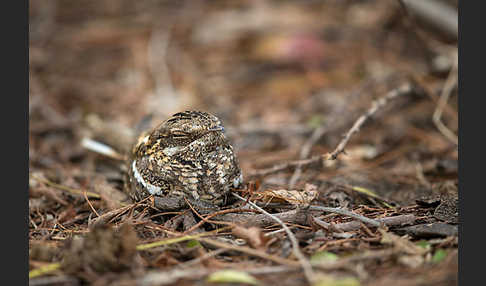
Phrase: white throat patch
(153, 190)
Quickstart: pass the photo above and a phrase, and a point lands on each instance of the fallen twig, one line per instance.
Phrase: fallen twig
(319, 159)
(354, 225)
(320, 131)
(449, 85)
(306, 266)
(218, 213)
(305, 151)
(250, 251)
(90, 205)
(340, 211)
(104, 218)
(375, 106)
(298, 216)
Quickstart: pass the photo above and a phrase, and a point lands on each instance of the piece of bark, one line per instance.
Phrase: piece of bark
(354, 225)
(439, 229)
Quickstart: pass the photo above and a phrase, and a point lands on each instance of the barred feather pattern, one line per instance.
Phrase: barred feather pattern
(185, 157)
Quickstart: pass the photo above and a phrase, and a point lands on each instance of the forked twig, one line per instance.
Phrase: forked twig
(319, 132)
(319, 159)
(306, 266)
(375, 106)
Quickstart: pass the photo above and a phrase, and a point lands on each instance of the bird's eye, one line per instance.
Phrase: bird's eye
(179, 134)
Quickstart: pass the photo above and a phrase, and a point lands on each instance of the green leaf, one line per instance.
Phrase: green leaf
(232, 276)
(193, 243)
(423, 243)
(323, 256)
(44, 270)
(330, 281)
(371, 194)
(439, 255)
(365, 191)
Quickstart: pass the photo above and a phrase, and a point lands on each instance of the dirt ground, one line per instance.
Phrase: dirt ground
(289, 80)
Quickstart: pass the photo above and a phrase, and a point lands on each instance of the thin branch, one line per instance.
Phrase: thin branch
(249, 251)
(207, 218)
(323, 129)
(354, 225)
(306, 266)
(90, 205)
(346, 213)
(449, 85)
(305, 151)
(375, 106)
(298, 216)
(104, 218)
(319, 159)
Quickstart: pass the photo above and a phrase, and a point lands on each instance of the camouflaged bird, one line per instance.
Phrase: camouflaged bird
(186, 156)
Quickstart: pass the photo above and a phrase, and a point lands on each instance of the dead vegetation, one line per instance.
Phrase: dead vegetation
(343, 115)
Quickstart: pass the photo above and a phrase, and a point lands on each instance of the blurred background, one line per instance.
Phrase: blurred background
(273, 71)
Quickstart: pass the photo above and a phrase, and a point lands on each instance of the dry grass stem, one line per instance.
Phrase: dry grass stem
(90, 205)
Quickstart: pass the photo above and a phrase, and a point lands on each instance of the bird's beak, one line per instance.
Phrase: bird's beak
(217, 128)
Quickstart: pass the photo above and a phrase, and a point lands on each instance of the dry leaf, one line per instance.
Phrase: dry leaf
(232, 276)
(295, 197)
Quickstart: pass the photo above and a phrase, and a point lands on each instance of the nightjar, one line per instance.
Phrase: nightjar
(185, 157)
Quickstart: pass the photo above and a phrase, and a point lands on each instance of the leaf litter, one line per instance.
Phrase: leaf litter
(383, 211)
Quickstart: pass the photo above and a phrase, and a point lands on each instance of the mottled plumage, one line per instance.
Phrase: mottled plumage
(188, 155)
